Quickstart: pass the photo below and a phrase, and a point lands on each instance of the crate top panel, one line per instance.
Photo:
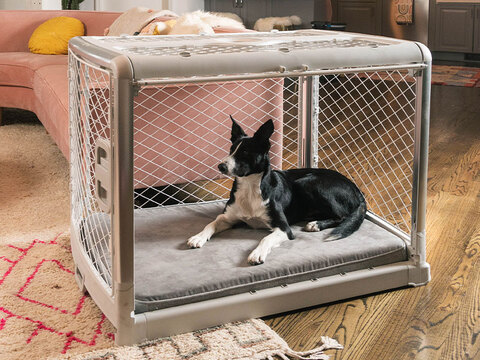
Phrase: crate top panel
(200, 56)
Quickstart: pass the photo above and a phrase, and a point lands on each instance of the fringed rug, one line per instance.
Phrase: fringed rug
(246, 340)
(43, 314)
(455, 76)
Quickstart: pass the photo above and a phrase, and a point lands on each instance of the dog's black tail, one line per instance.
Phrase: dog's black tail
(351, 223)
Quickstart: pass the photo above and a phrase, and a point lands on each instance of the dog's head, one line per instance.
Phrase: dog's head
(248, 154)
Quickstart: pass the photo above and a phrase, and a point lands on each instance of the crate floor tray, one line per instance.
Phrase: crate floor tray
(168, 273)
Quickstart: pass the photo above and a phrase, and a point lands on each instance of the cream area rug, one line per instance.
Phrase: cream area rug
(43, 315)
(34, 191)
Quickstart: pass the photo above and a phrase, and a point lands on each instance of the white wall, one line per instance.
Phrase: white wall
(51, 5)
(12, 5)
(87, 5)
(27, 4)
(122, 5)
(182, 6)
(178, 6)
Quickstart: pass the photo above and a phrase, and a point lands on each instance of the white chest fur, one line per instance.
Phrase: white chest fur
(249, 205)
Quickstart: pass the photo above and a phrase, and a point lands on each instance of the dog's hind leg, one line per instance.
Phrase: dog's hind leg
(314, 226)
(269, 242)
(221, 223)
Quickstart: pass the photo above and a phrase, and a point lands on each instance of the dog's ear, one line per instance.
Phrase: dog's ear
(265, 131)
(237, 131)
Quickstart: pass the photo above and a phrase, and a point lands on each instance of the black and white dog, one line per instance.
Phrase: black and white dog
(262, 197)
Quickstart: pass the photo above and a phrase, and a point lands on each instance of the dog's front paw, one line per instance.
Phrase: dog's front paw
(312, 226)
(257, 256)
(197, 241)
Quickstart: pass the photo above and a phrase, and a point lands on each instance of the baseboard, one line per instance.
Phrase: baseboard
(462, 58)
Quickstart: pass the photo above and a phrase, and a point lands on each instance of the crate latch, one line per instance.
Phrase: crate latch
(103, 180)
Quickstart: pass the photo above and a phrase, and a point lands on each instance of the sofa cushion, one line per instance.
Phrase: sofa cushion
(52, 36)
(50, 85)
(18, 68)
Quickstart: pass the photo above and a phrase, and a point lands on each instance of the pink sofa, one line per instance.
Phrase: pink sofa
(39, 82)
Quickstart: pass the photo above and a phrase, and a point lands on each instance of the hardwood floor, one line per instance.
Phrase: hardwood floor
(442, 319)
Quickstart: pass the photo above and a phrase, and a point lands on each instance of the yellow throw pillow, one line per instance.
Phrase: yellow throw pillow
(51, 37)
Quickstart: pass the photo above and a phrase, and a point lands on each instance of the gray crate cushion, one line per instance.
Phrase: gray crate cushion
(168, 273)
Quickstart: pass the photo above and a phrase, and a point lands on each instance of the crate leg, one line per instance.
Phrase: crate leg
(79, 280)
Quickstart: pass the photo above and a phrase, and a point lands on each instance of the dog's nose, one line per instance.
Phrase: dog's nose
(223, 168)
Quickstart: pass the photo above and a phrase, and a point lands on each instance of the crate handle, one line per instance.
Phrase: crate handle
(103, 180)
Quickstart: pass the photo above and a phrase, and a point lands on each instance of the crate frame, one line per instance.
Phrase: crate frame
(118, 303)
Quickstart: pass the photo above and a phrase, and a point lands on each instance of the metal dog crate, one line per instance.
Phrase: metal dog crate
(149, 122)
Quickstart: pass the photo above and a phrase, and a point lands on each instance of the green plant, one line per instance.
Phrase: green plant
(71, 4)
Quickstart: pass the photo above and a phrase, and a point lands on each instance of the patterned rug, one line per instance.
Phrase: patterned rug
(246, 340)
(42, 311)
(44, 315)
(455, 76)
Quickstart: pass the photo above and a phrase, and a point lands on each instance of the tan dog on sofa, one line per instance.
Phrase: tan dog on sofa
(203, 22)
(143, 21)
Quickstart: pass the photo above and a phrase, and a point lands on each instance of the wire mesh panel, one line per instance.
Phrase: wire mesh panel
(366, 132)
(90, 89)
(182, 133)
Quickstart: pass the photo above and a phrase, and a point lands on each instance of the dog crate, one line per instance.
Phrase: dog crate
(149, 123)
